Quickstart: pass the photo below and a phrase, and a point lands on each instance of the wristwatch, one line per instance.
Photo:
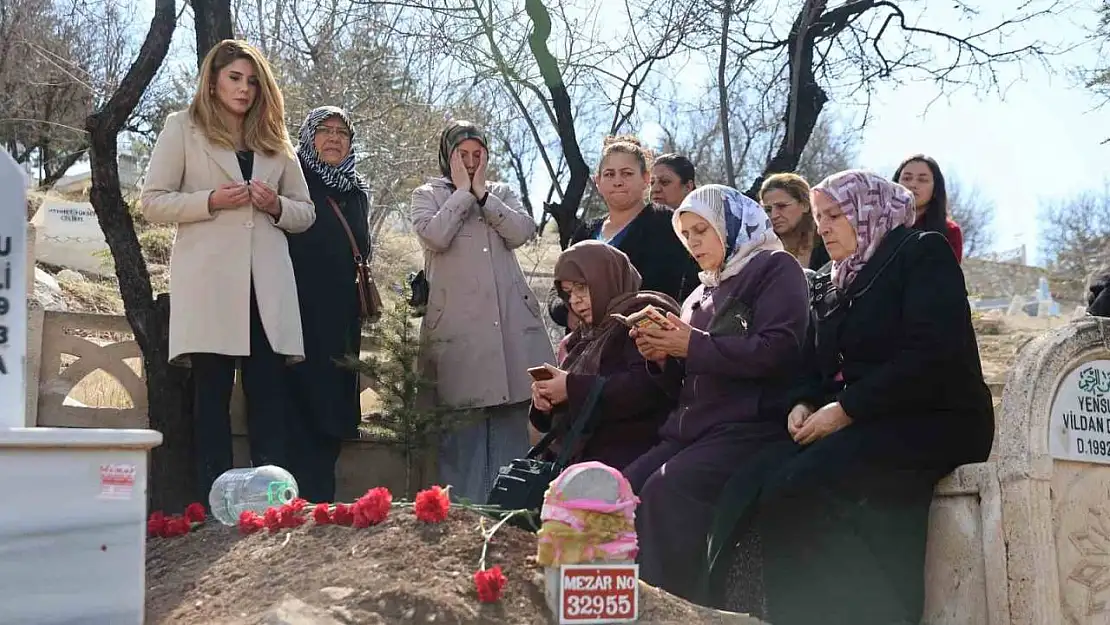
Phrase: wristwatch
(482, 200)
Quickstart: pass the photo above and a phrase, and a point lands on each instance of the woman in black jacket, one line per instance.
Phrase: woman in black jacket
(895, 401)
(642, 230)
(324, 394)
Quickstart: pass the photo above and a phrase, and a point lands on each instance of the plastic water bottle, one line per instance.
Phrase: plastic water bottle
(254, 489)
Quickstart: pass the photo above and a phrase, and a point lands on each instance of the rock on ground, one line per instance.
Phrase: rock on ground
(402, 571)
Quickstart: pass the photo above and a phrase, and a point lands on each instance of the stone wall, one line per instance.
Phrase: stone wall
(989, 279)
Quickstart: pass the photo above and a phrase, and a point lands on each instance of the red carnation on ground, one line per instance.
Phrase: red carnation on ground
(195, 513)
(176, 526)
(344, 514)
(298, 504)
(156, 524)
(290, 516)
(490, 583)
(321, 514)
(431, 505)
(272, 519)
(250, 522)
(373, 507)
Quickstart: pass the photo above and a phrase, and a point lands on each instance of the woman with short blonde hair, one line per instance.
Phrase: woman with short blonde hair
(225, 173)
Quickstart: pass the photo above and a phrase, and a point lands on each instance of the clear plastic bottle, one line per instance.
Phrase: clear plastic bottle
(254, 489)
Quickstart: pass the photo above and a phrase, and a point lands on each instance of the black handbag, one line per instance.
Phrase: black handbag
(419, 289)
(521, 484)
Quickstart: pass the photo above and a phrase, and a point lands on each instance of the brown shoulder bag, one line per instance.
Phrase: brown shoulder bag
(369, 300)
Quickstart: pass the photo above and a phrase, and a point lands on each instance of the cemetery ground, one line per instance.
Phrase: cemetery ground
(401, 570)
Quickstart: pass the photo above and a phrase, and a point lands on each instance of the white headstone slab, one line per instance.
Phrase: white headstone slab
(69, 235)
(1079, 425)
(13, 293)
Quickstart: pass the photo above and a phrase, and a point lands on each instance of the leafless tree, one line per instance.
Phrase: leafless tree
(1076, 239)
(974, 213)
(167, 387)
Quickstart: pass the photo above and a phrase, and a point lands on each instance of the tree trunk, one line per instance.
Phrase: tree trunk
(69, 161)
(722, 93)
(213, 25)
(806, 99)
(565, 212)
(171, 473)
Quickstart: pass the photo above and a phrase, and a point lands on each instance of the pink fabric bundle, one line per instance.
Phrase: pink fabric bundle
(587, 530)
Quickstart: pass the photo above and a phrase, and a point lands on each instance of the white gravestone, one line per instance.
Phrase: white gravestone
(73, 523)
(69, 235)
(13, 294)
(1052, 453)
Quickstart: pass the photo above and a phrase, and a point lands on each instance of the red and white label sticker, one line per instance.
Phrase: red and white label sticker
(599, 593)
(117, 481)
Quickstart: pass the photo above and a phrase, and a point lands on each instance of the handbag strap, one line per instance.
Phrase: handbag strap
(584, 417)
(347, 229)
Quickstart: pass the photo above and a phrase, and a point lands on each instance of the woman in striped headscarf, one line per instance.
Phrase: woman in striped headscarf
(324, 394)
(895, 400)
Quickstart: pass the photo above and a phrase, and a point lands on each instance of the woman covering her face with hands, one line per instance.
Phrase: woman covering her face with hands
(482, 329)
(225, 172)
(734, 348)
(895, 399)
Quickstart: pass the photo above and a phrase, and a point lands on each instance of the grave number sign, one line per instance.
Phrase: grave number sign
(13, 291)
(599, 593)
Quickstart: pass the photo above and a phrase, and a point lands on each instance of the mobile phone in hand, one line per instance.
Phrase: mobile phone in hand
(540, 374)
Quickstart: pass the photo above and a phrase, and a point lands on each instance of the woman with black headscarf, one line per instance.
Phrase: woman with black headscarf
(482, 329)
(325, 394)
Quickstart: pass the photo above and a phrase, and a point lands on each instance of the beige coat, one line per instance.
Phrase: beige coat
(216, 256)
(483, 322)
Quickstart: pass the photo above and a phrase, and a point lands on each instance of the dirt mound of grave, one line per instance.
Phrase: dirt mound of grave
(402, 571)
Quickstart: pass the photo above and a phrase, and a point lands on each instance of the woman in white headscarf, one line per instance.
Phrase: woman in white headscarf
(736, 344)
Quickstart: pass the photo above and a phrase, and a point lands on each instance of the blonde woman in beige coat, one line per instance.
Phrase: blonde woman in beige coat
(225, 172)
(482, 327)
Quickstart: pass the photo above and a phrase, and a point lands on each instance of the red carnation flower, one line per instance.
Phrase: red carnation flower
(156, 524)
(344, 514)
(489, 583)
(321, 515)
(298, 504)
(195, 513)
(176, 526)
(272, 519)
(373, 507)
(289, 517)
(250, 522)
(431, 505)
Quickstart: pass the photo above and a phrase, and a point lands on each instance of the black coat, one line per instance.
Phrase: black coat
(902, 337)
(324, 392)
(653, 249)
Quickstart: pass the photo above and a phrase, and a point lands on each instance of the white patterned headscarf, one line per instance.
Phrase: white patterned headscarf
(874, 206)
(741, 224)
(341, 177)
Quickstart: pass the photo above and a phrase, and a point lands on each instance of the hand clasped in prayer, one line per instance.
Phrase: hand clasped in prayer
(820, 424)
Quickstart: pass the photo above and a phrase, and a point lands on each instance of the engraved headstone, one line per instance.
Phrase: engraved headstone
(13, 293)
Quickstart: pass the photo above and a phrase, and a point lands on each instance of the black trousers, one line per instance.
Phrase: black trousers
(312, 458)
(843, 526)
(267, 423)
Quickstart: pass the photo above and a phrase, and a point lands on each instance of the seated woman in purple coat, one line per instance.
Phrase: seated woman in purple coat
(735, 347)
(597, 280)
